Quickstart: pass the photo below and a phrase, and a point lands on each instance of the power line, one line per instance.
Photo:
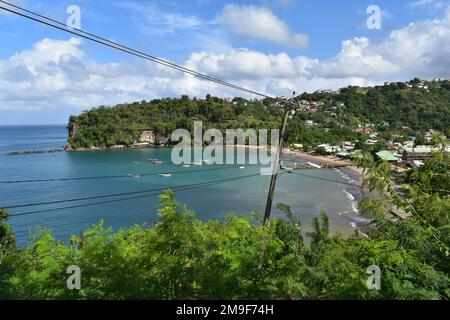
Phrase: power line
(126, 49)
(180, 188)
(131, 175)
(118, 194)
(117, 46)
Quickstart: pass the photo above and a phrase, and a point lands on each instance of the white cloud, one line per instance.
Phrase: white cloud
(355, 60)
(434, 6)
(421, 3)
(424, 3)
(261, 24)
(57, 74)
(152, 20)
(243, 63)
(48, 52)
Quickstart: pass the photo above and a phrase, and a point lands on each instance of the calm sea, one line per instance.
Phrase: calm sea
(306, 195)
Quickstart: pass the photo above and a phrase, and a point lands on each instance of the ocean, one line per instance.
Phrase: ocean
(307, 194)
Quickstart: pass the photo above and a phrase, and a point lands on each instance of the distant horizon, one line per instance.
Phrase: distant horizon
(34, 125)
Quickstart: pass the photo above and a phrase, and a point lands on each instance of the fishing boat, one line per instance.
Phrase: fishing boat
(312, 164)
(165, 174)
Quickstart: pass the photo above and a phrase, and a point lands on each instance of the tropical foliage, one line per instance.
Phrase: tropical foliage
(180, 257)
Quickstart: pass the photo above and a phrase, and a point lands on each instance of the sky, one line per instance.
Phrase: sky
(270, 46)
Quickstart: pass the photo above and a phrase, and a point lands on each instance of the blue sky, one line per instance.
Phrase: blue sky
(270, 46)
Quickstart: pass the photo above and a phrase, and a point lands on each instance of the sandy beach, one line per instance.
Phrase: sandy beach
(345, 166)
(330, 161)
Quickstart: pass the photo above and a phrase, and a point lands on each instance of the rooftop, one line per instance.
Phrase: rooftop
(386, 156)
(420, 149)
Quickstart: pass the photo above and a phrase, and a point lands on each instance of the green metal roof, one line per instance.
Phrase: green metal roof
(343, 153)
(386, 156)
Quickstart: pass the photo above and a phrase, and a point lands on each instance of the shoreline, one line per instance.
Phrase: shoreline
(344, 165)
(347, 167)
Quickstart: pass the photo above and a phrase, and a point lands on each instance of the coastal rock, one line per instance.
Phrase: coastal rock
(161, 140)
(17, 153)
(27, 152)
(117, 147)
(147, 136)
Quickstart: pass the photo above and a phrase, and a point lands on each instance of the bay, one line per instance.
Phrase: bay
(322, 189)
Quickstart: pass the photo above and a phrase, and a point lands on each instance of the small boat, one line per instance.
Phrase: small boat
(136, 162)
(151, 160)
(165, 174)
(242, 167)
(157, 162)
(186, 166)
(313, 165)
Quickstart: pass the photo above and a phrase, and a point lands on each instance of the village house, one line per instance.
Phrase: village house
(348, 146)
(326, 148)
(387, 156)
(366, 130)
(371, 142)
(420, 153)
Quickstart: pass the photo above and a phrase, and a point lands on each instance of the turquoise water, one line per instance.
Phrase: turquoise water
(306, 195)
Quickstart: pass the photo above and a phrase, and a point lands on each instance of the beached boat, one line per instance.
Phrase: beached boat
(165, 174)
(312, 164)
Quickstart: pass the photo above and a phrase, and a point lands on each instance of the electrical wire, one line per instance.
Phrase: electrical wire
(114, 194)
(131, 175)
(180, 188)
(117, 46)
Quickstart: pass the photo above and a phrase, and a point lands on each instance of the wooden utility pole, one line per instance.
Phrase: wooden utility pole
(276, 166)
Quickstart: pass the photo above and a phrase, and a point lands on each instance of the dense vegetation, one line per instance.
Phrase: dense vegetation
(389, 108)
(396, 104)
(181, 257)
(121, 124)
